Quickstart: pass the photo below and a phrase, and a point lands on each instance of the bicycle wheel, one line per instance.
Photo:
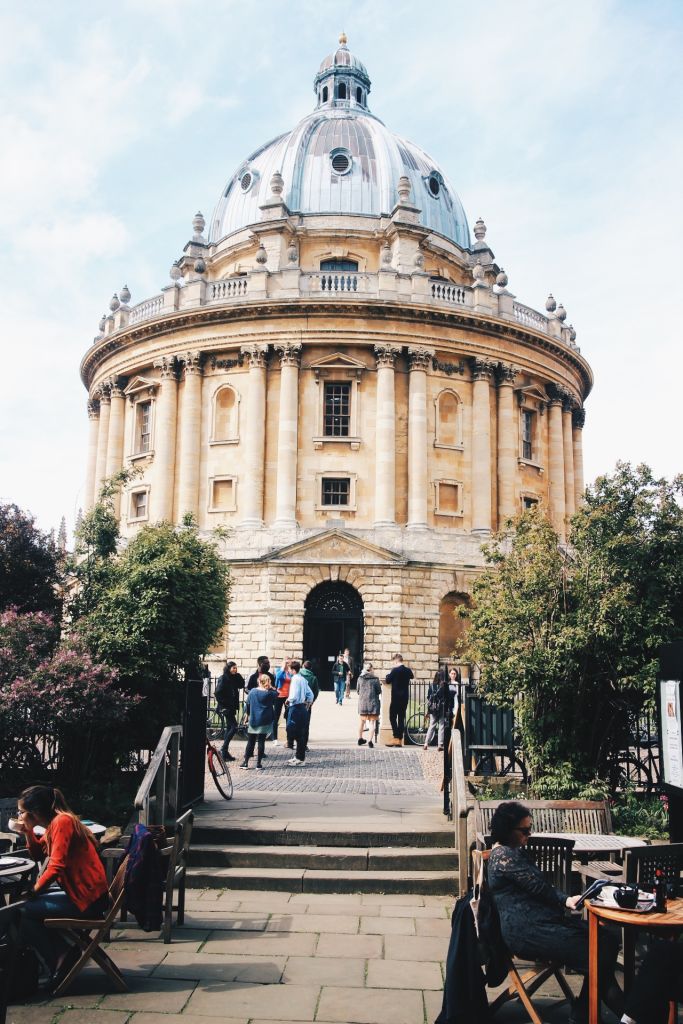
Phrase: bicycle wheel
(220, 773)
(628, 772)
(416, 729)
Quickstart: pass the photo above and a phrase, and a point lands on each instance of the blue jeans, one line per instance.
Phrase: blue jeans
(48, 944)
(339, 688)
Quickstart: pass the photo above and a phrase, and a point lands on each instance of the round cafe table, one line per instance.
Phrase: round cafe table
(13, 876)
(628, 919)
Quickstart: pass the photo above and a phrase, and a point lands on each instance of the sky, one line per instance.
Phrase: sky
(557, 123)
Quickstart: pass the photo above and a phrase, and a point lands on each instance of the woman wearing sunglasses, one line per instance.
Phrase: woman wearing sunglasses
(532, 912)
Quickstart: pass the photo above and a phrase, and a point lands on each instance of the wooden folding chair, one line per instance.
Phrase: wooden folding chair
(175, 874)
(86, 935)
(554, 858)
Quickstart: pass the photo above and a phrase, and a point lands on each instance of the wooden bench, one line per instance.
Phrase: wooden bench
(589, 817)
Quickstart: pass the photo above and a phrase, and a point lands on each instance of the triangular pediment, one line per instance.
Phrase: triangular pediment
(333, 547)
(336, 361)
(534, 392)
(137, 384)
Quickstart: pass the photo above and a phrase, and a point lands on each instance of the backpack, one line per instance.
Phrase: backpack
(435, 702)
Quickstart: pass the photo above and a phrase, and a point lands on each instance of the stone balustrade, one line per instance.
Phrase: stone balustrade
(417, 288)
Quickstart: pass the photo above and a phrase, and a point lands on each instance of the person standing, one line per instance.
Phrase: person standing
(312, 680)
(299, 702)
(228, 701)
(399, 681)
(349, 675)
(262, 666)
(339, 673)
(260, 707)
(437, 709)
(283, 678)
(369, 690)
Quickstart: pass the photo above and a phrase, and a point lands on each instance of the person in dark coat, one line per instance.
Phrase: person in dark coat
(464, 993)
(262, 666)
(532, 912)
(228, 690)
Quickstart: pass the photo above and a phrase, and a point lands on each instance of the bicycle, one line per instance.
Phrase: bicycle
(220, 773)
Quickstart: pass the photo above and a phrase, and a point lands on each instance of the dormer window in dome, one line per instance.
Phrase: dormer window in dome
(435, 185)
(247, 179)
(341, 160)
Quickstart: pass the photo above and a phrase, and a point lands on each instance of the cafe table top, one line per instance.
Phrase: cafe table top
(24, 868)
(585, 843)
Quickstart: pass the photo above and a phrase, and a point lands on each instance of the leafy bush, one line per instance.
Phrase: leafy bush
(635, 814)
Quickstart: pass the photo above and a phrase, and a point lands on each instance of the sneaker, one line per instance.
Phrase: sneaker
(292, 760)
(370, 744)
(299, 764)
(244, 766)
(276, 743)
(260, 768)
(228, 757)
(362, 742)
(263, 757)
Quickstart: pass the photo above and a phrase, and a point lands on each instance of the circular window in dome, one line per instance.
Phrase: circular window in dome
(434, 185)
(246, 181)
(342, 161)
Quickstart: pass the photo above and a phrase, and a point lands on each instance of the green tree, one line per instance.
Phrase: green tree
(30, 565)
(561, 632)
(151, 610)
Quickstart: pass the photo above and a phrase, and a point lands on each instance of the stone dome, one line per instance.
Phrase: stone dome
(341, 159)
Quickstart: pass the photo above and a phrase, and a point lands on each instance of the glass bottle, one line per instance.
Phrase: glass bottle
(660, 891)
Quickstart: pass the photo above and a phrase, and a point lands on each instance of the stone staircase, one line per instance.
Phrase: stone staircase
(295, 860)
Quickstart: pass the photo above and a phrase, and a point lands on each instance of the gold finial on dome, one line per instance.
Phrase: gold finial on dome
(342, 39)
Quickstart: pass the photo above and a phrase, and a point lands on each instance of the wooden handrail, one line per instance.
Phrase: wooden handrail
(164, 777)
(462, 808)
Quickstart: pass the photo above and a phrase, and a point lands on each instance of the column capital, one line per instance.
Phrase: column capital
(115, 388)
(386, 355)
(257, 355)
(93, 409)
(191, 363)
(482, 369)
(568, 402)
(578, 418)
(505, 375)
(290, 355)
(419, 357)
(556, 394)
(103, 393)
(167, 365)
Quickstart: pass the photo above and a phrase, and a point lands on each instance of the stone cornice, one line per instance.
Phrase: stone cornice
(467, 319)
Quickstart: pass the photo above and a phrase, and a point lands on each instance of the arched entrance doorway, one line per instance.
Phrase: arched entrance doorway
(333, 620)
(452, 627)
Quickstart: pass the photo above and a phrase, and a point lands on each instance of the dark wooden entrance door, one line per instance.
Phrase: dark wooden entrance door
(333, 620)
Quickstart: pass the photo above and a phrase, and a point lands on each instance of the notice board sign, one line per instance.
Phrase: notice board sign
(671, 732)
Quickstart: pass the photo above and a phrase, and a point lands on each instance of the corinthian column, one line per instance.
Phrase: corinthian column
(102, 438)
(556, 463)
(115, 438)
(385, 445)
(578, 420)
(418, 480)
(482, 371)
(507, 444)
(93, 428)
(255, 441)
(287, 438)
(190, 436)
(568, 446)
(166, 420)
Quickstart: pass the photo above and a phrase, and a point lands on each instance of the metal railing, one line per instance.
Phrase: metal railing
(158, 797)
(462, 809)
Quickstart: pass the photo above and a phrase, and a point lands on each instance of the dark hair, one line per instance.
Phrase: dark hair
(295, 666)
(398, 657)
(262, 659)
(454, 668)
(307, 664)
(47, 802)
(505, 819)
(230, 664)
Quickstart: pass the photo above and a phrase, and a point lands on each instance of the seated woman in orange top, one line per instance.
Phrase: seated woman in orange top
(73, 882)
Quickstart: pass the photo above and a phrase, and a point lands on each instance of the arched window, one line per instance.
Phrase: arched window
(359, 95)
(325, 94)
(452, 627)
(225, 414)
(448, 420)
(348, 266)
(341, 91)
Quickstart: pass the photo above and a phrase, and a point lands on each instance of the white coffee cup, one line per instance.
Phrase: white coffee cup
(13, 825)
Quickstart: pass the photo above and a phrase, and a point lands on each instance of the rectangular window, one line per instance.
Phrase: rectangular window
(337, 414)
(336, 491)
(528, 503)
(143, 427)
(449, 499)
(138, 505)
(223, 496)
(527, 434)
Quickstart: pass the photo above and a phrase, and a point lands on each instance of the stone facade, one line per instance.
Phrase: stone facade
(356, 395)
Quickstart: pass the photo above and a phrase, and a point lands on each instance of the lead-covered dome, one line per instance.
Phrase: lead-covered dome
(341, 159)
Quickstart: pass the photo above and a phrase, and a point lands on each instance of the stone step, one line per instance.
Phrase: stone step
(295, 880)
(220, 835)
(342, 858)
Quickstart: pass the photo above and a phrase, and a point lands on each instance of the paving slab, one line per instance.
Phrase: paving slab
(305, 970)
(340, 924)
(31, 1014)
(343, 946)
(437, 927)
(160, 995)
(371, 1006)
(86, 1016)
(179, 1018)
(295, 1002)
(255, 944)
(404, 974)
(417, 947)
(132, 937)
(228, 920)
(435, 913)
(387, 926)
(372, 899)
(215, 967)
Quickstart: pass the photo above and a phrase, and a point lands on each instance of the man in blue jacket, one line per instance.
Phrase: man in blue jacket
(299, 704)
